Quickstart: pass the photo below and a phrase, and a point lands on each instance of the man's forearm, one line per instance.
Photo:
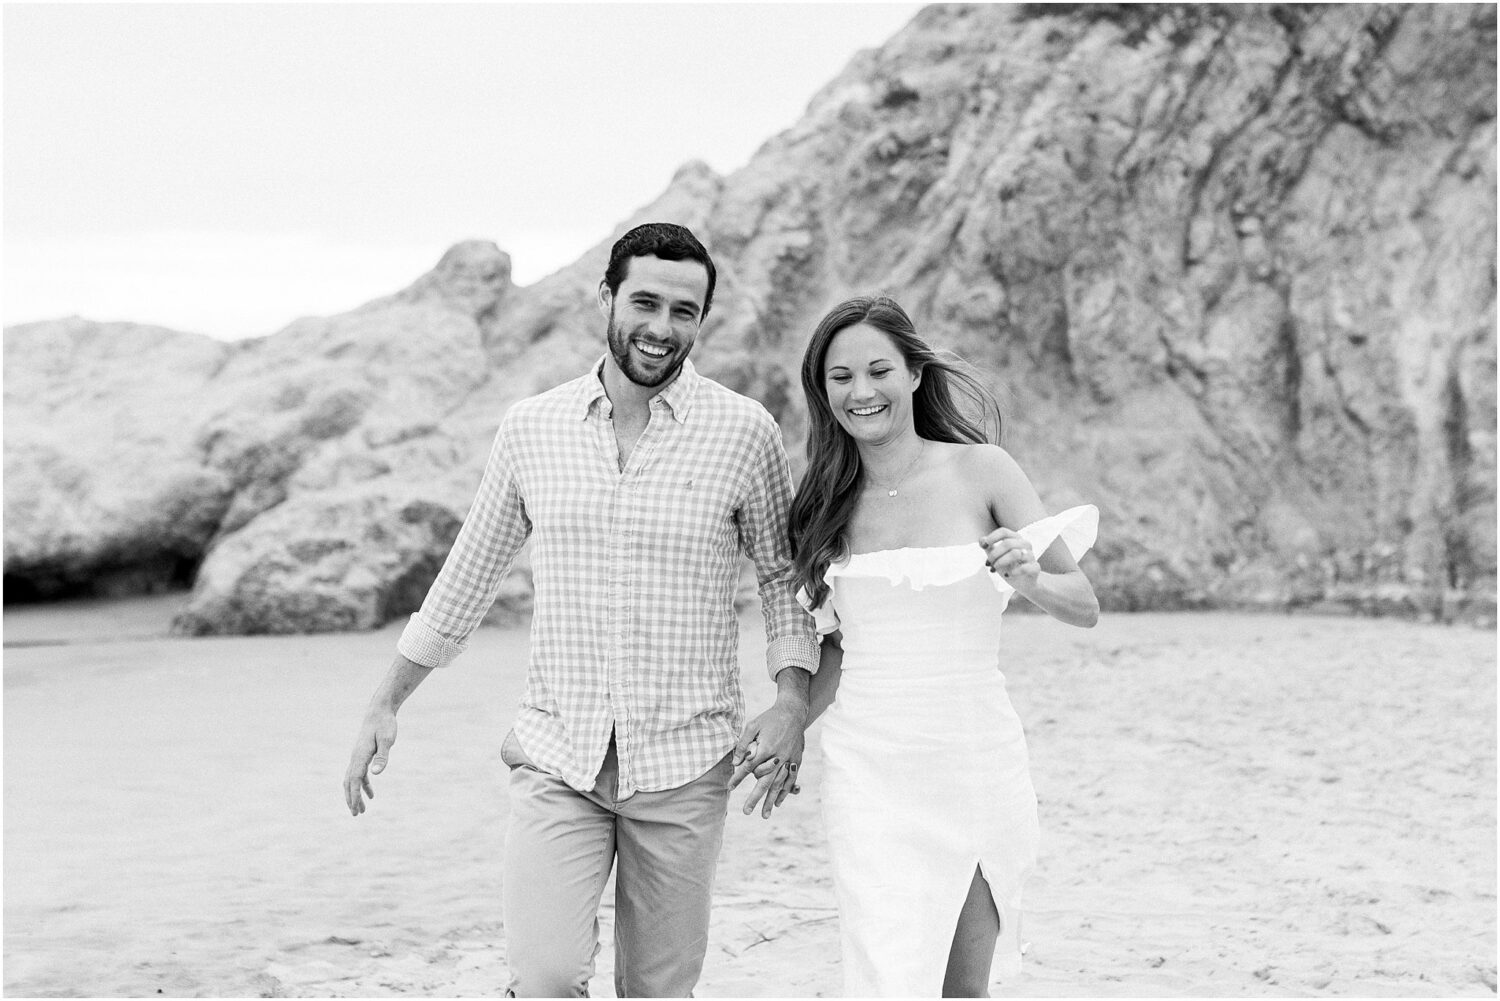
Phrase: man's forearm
(792, 689)
(400, 681)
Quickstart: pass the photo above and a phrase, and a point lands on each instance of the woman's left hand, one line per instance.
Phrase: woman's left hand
(1011, 556)
(773, 787)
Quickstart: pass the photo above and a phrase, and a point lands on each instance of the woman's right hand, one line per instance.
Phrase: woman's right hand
(1010, 555)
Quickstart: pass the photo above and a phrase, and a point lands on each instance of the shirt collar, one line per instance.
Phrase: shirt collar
(678, 396)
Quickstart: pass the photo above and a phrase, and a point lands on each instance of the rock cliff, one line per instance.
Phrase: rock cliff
(1232, 270)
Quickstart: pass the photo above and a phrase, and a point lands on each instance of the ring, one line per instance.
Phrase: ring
(792, 765)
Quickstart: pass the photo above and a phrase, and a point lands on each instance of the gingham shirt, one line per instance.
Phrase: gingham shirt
(633, 627)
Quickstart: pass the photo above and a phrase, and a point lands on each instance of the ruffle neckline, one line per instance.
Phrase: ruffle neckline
(922, 567)
(919, 567)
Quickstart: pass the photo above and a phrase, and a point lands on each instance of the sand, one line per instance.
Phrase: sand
(1231, 805)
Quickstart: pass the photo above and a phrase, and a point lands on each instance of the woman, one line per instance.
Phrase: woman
(909, 542)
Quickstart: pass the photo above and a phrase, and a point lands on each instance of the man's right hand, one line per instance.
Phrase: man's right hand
(372, 749)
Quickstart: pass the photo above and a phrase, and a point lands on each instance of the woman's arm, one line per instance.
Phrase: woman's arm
(1051, 580)
(825, 684)
(1065, 595)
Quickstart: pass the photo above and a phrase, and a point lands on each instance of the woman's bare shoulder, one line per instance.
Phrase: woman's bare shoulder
(1007, 489)
(985, 460)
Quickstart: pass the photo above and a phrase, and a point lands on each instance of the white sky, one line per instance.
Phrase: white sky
(227, 168)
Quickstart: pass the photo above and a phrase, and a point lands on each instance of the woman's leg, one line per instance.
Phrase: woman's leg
(973, 948)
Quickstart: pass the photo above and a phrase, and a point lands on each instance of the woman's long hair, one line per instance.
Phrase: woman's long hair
(950, 403)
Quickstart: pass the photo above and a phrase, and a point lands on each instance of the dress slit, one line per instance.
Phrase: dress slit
(1003, 920)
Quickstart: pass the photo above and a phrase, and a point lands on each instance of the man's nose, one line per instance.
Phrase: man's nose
(660, 326)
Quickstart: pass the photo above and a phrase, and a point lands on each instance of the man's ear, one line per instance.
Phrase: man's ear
(606, 298)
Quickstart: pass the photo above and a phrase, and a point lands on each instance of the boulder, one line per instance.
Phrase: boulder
(104, 494)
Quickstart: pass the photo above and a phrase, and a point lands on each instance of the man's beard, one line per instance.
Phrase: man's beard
(619, 348)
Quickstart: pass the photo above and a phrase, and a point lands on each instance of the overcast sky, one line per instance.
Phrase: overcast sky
(227, 168)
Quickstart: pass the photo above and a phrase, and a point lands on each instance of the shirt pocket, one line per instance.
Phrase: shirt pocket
(689, 524)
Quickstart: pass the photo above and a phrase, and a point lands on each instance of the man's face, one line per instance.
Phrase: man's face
(654, 317)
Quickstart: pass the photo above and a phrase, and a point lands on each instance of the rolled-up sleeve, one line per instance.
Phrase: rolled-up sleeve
(492, 535)
(790, 638)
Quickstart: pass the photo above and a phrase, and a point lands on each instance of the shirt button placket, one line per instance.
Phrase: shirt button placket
(632, 504)
(608, 450)
(619, 584)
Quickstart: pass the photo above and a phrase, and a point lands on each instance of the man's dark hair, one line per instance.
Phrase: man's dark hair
(666, 240)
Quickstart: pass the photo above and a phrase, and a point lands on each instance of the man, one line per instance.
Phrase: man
(642, 483)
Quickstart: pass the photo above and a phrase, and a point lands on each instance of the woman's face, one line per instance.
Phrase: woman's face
(868, 384)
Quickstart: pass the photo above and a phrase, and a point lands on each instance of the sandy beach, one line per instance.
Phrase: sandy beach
(1232, 805)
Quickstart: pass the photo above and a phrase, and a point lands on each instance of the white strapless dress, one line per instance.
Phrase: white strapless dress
(925, 770)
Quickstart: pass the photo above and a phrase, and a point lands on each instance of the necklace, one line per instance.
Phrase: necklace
(896, 486)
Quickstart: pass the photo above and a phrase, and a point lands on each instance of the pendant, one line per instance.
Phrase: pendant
(891, 492)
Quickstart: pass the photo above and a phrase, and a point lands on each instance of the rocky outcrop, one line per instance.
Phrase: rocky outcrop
(1232, 269)
(139, 458)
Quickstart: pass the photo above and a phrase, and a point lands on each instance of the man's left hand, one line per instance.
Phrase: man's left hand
(771, 748)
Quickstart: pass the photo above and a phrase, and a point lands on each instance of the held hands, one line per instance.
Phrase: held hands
(771, 748)
(1010, 556)
(372, 749)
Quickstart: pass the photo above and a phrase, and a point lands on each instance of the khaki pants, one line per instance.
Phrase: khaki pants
(559, 847)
